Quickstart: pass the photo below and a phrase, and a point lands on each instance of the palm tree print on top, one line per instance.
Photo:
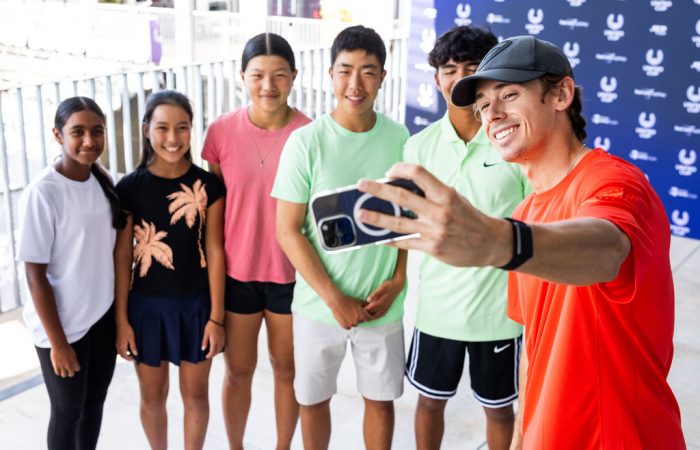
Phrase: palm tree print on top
(149, 246)
(190, 203)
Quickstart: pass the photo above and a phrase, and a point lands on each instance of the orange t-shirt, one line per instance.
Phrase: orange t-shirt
(599, 355)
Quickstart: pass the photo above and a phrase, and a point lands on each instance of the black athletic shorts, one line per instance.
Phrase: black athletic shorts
(435, 367)
(250, 297)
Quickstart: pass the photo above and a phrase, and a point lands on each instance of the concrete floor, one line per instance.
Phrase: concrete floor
(23, 417)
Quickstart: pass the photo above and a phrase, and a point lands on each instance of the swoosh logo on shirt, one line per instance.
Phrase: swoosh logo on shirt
(490, 164)
(497, 349)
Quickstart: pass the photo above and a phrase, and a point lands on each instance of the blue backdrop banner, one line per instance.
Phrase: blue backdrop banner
(638, 63)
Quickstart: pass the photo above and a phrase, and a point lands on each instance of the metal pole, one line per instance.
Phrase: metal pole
(9, 222)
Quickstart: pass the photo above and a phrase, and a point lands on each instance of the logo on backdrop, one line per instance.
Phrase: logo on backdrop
(576, 3)
(646, 130)
(602, 142)
(599, 119)
(688, 130)
(571, 50)
(615, 24)
(638, 155)
(535, 18)
(679, 222)
(653, 68)
(610, 57)
(607, 92)
(695, 66)
(496, 18)
(427, 40)
(659, 30)
(696, 38)
(677, 192)
(573, 23)
(693, 103)
(464, 10)
(430, 13)
(649, 93)
(426, 95)
(661, 5)
(686, 160)
(421, 121)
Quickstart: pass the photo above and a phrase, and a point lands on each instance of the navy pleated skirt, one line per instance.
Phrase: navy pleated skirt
(169, 328)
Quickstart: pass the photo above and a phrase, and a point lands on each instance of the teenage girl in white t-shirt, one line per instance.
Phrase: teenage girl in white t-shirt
(68, 216)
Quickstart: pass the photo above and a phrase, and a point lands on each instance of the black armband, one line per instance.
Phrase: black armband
(522, 244)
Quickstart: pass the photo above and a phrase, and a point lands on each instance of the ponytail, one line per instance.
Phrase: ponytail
(118, 214)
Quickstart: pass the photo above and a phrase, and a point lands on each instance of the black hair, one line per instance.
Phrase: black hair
(462, 43)
(574, 111)
(67, 108)
(165, 97)
(267, 44)
(359, 37)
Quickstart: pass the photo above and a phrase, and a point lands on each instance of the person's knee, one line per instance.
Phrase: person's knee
(431, 405)
(315, 408)
(154, 398)
(283, 369)
(67, 414)
(503, 415)
(196, 399)
(379, 406)
(237, 374)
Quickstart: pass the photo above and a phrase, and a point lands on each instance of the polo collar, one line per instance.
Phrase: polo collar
(450, 134)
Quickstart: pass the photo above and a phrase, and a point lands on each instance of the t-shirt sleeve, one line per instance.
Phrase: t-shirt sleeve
(214, 187)
(410, 152)
(124, 189)
(36, 227)
(211, 149)
(513, 310)
(628, 204)
(293, 180)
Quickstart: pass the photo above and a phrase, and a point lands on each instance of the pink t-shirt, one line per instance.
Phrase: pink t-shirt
(238, 146)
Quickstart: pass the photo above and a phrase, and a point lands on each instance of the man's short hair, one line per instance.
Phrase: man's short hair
(359, 37)
(462, 43)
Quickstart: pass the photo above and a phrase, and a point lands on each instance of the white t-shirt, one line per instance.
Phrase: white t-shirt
(68, 225)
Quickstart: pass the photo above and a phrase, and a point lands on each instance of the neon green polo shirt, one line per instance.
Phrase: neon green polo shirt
(466, 304)
(323, 155)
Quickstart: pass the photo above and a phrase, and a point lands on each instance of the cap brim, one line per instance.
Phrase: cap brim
(464, 92)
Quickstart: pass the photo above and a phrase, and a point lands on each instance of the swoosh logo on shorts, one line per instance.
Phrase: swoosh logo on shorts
(498, 349)
(490, 164)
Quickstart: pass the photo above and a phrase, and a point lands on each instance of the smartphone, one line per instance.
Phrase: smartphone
(335, 214)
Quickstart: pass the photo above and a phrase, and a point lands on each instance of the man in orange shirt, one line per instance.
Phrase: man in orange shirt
(588, 253)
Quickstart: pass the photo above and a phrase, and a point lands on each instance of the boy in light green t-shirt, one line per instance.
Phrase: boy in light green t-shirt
(356, 295)
(462, 311)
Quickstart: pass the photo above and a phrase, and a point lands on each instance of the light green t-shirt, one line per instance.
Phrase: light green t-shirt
(466, 304)
(323, 155)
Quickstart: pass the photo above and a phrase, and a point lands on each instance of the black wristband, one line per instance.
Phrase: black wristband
(522, 244)
(216, 323)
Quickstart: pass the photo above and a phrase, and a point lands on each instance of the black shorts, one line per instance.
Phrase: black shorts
(435, 367)
(250, 297)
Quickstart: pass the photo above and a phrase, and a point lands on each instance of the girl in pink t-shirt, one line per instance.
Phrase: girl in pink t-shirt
(243, 148)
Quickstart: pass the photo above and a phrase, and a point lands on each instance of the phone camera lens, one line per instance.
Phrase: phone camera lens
(338, 232)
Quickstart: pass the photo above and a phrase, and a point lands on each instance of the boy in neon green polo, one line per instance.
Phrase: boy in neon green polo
(464, 308)
(357, 295)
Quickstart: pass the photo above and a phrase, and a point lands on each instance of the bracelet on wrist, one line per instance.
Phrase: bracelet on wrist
(522, 244)
(216, 323)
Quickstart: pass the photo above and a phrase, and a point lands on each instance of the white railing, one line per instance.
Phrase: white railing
(122, 32)
(26, 118)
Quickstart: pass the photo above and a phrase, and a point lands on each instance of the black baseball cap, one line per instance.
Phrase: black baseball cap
(513, 60)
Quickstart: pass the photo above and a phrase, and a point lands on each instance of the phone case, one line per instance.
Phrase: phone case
(335, 215)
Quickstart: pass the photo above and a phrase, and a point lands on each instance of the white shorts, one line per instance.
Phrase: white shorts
(319, 350)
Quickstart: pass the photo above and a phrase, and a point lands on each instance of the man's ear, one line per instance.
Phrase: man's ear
(565, 96)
